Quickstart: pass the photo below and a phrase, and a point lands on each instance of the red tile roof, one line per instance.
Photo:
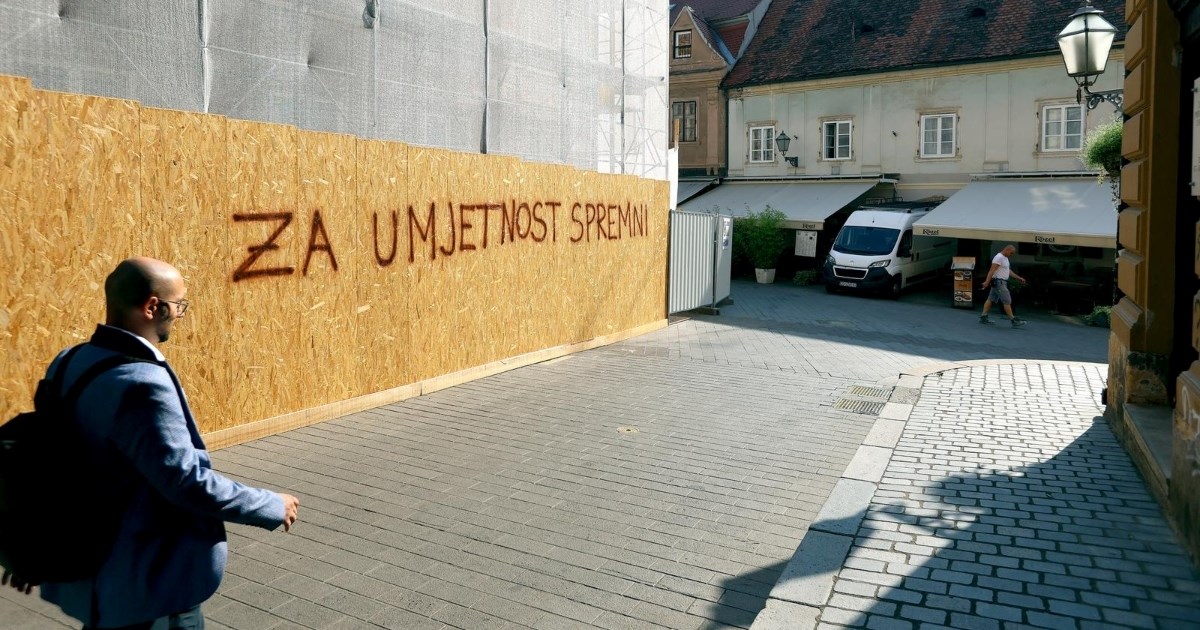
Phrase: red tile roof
(716, 9)
(733, 36)
(808, 39)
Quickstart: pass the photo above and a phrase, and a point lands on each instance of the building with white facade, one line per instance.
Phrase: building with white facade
(839, 104)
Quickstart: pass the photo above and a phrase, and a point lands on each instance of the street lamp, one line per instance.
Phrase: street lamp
(1085, 43)
(783, 142)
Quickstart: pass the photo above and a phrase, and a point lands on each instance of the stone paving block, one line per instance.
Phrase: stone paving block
(952, 576)
(847, 618)
(351, 604)
(868, 464)
(948, 602)
(975, 622)
(923, 614)
(781, 615)
(1129, 619)
(844, 510)
(308, 614)
(926, 586)
(1047, 620)
(972, 592)
(242, 617)
(259, 596)
(896, 411)
(808, 577)
(885, 433)
(887, 623)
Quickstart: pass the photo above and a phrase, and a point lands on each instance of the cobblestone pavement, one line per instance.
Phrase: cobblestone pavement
(1007, 503)
(522, 500)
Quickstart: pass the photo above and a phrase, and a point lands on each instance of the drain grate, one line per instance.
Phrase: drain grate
(869, 392)
(859, 406)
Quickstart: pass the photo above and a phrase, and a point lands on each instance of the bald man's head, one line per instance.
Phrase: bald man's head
(135, 280)
(138, 295)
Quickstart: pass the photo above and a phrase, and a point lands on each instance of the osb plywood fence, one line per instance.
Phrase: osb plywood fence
(326, 273)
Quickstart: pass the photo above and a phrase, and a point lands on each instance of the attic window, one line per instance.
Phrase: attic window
(977, 12)
(683, 45)
(867, 28)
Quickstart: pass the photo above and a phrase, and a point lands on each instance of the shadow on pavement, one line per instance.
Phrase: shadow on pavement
(745, 595)
(1074, 541)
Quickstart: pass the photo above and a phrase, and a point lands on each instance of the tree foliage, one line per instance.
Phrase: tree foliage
(1102, 149)
(761, 237)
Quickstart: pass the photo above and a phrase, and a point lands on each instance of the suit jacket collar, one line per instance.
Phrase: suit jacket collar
(125, 342)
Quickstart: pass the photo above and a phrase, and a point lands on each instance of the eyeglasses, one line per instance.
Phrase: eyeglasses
(182, 305)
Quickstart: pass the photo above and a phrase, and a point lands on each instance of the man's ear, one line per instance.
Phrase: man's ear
(150, 308)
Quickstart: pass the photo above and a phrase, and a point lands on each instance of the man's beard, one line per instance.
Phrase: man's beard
(164, 328)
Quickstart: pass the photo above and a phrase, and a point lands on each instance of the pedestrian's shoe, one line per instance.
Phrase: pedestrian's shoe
(1017, 323)
(983, 319)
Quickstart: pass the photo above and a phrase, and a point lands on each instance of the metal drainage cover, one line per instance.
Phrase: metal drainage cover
(859, 406)
(869, 392)
(626, 430)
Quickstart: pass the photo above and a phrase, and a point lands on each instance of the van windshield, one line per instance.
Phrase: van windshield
(866, 241)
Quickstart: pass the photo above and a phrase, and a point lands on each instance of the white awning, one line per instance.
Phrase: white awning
(1051, 211)
(691, 188)
(806, 204)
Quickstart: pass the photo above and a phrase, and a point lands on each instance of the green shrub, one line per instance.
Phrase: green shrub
(805, 277)
(1102, 149)
(1100, 316)
(759, 237)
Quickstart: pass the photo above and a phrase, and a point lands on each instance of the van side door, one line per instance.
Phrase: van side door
(904, 251)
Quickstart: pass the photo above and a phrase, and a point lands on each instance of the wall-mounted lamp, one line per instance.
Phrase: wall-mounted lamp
(783, 142)
(1085, 43)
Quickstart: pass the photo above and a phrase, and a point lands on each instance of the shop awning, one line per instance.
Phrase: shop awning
(691, 188)
(806, 204)
(1050, 211)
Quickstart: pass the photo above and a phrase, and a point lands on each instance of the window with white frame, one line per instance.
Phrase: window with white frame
(762, 144)
(683, 117)
(837, 139)
(938, 135)
(1062, 127)
(683, 45)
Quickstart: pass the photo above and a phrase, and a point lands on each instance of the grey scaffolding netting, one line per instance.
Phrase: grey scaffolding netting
(581, 82)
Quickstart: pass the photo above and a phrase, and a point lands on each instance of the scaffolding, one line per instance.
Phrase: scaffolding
(580, 82)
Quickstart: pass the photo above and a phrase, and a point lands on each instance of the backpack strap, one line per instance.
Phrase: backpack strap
(98, 368)
(61, 373)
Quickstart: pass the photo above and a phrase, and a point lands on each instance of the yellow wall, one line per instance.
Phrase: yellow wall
(314, 271)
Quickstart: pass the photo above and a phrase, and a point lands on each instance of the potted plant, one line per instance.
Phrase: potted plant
(763, 240)
(806, 277)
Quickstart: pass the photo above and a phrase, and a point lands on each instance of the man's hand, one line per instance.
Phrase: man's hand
(291, 510)
(16, 582)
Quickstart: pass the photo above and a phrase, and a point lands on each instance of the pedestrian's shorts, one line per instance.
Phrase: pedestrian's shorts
(1000, 292)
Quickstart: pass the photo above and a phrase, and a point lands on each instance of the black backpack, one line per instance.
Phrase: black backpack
(58, 517)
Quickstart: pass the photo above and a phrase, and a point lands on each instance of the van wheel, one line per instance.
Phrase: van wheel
(830, 288)
(896, 288)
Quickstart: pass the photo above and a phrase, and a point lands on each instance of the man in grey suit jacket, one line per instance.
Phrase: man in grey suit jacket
(170, 550)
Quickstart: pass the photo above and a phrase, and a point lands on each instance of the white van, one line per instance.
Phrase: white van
(876, 251)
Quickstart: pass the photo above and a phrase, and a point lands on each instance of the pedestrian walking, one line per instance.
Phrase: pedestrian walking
(998, 277)
(169, 552)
